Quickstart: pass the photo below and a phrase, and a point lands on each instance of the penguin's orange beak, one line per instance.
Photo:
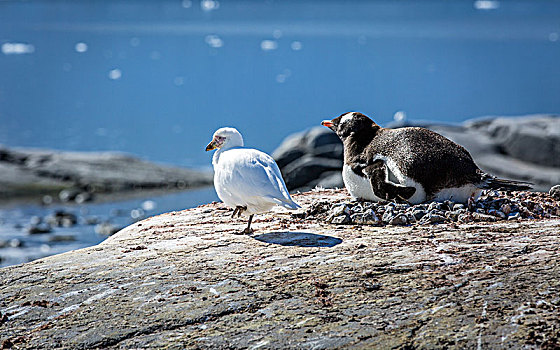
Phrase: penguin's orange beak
(327, 123)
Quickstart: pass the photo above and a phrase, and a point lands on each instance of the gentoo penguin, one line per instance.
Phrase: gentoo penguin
(408, 164)
(246, 179)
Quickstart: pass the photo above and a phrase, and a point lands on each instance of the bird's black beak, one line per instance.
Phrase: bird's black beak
(211, 146)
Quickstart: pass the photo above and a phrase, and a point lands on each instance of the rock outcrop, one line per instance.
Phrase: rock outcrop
(520, 148)
(29, 172)
(188, 280)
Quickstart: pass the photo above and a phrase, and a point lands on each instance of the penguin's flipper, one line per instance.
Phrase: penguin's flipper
(377, 174)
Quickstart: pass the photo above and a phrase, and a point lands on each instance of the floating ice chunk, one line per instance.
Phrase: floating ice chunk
(149, 205)
(296, 45)
(137, 213)
(17, 48)
(186, 4)
(553, 36)
(399, 116)
(269, 45)
(115, 74)
(214, 41)
(81, 47)
(281, 78)
(277, 34)
(209, 5)
(486, 4)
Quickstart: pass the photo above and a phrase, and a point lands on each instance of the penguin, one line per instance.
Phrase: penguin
(412, 164)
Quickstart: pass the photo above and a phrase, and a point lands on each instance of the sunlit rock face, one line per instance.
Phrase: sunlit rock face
(186, 279)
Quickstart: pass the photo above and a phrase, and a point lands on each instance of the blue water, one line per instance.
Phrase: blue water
(17, 246)
(156, 78)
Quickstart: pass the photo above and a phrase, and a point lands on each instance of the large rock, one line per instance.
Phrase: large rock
(519, 148)
(308, 168)
(187, 280)
(534, 139)
(38, 172)
(304, 156)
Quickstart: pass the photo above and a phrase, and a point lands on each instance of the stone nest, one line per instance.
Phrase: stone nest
(491, 206)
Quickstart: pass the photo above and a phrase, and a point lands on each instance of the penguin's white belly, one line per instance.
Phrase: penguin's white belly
(358, 186)
(457, 194)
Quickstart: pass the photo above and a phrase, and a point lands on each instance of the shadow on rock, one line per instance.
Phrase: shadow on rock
(299, 239)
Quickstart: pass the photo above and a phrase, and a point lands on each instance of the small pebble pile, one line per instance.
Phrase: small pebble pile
(491, 206)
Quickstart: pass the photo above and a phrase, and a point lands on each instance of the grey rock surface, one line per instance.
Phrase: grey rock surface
(189, 280)
(308, 168)
(534, 139)
(523, 148)
(37, 172)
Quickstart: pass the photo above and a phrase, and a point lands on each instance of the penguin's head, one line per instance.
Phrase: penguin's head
(349, 124)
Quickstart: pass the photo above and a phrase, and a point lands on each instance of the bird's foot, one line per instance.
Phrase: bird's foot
(239, 210)
(247, 231)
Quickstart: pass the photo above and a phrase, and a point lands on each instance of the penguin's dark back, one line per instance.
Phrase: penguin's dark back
(425, 156)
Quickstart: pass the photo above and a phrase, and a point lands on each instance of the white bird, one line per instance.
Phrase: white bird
(246, 179)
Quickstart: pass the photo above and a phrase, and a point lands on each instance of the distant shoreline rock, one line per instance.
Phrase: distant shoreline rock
(79, 176)
(523, 148)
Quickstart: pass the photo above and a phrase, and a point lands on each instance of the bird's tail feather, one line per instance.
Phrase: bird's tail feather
(491, 182)
(288, 204)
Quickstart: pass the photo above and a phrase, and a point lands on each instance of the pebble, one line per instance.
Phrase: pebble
(62, 238)
(387, 216)
(341, 209)
(12, 243)
(400, 219)
(419, 214)
(458, 206)
(62, 218)
(106, 228)
(341, 219)
(555, 192)
(90, 220)
(68, 194)
(483, 217)
(38, 229)
(490, 207)
(433, 218)
(83, 197)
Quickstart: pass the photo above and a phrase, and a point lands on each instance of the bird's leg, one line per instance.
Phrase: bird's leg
(235, 211)
(248, 230)
(240, 210)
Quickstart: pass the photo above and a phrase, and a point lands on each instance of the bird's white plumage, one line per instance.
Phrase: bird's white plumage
(247, 177)
(347, 117)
